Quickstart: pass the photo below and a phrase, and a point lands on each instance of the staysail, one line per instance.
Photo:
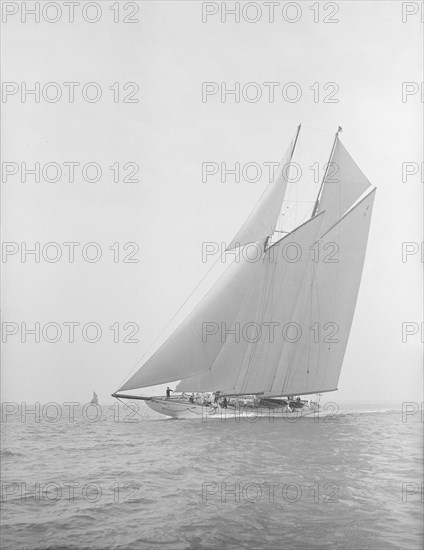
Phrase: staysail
(343, 184)
(263, 218)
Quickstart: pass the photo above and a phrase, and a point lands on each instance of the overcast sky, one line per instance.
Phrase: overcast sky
(169, 133)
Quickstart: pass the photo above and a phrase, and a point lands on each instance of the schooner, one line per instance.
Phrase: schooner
(274, 329)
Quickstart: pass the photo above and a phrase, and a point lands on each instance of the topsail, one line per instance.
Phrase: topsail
(263, 219)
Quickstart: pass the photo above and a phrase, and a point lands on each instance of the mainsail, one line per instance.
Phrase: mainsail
(278, 324)
(325, 309)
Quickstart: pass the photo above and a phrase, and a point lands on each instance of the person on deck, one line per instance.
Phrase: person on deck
(168, 392)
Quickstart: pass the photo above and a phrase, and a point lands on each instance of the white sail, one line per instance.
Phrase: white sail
(254, 345)
(280, 325)
(343, 185)
(189, 350)
(200, 383)
(264, 217)
(325, 308)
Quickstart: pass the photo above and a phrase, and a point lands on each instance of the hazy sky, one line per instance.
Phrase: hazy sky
(169, 133)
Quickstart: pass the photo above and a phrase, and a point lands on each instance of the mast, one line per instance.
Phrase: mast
(295, 141)
(325, 173)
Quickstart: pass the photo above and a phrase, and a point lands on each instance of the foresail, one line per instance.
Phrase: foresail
(263, 218)
(343, 185)
(188, 351)
(253, 345)
(325, 308)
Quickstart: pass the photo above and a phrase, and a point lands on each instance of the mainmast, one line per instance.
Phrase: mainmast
(314, 211)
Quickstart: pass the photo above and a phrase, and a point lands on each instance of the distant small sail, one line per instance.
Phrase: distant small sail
(94, 400)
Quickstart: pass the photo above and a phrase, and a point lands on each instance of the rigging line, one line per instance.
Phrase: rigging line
(178, 310)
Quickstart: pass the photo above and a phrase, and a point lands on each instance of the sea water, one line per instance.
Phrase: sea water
(110, 478)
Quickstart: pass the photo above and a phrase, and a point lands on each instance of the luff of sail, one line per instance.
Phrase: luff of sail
(251, 348)
(343, 184)
(263, 219)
